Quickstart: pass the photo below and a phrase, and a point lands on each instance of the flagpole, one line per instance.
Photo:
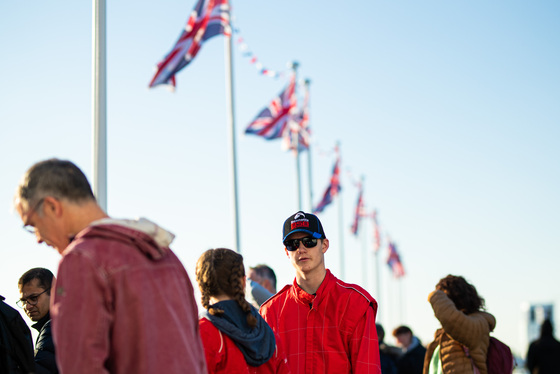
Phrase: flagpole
(340, 226)
(364, 240)
(295, 66)
(231, 127)
(99, 103)
(309, 170)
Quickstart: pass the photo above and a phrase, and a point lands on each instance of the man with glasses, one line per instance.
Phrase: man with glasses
(123, 302)
(325, 324)
(35, 296)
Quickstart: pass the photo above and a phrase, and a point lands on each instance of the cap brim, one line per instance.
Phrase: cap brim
(316, 235)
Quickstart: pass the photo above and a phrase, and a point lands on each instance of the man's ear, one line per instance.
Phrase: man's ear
(287, 253)
(52, 206)
(324, 245)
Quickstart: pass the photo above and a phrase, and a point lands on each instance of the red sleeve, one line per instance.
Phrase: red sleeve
(81, 318)
(364, 347)
(213, 343)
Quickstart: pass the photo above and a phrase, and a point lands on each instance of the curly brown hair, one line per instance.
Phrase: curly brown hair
(462, 293)
(221, 271)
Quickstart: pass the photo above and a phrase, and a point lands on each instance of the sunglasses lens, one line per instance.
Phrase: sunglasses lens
(309, 242)
(293, 244)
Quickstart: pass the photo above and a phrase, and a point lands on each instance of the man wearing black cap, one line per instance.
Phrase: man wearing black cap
(325, 325)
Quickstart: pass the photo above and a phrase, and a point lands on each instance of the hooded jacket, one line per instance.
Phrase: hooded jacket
(332, 331)
(458, 330)
(124, 303)
(231, 346)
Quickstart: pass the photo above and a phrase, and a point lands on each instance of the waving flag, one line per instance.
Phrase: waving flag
(376, 234)
(272, 121)
(332, 190)
(299, 128)
(394, 261)
(360, 210)
(209, 18)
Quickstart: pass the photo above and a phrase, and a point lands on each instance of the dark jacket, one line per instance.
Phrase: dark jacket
(44, 347)
(412, 361)
(543, 356)
(16, 346)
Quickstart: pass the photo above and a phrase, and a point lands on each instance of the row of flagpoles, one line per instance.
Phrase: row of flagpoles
(281, 119)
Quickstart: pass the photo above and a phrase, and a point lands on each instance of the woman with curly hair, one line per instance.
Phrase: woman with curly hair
(236, 338)
(461, 344)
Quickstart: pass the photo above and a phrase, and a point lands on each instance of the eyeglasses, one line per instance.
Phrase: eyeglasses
(26, 226)
(293, 244)
(31, 300)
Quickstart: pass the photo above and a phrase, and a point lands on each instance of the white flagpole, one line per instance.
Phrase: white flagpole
(231, 127)
(364, 240)
(99, 96)
(295, 65)
(340, 224)
(309, 170)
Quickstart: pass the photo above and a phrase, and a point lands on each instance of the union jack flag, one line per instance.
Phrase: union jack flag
(394, 261)
(209, 18)
(299, 128)
(376, 234)
(272, 121)
(360, 210)
(332, 190)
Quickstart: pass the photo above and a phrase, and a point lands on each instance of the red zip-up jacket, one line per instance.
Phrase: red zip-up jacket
(123, 303)
(332, 331)
(223, 356)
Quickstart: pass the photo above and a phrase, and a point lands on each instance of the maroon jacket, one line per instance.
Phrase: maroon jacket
(124, 304)
(332, 331)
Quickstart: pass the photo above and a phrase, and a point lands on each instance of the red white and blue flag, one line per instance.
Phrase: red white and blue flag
(332, 190)
(299, 134)
(209, 18)
(360, 210)
(376, 233)
(394, 261)
(272, 122)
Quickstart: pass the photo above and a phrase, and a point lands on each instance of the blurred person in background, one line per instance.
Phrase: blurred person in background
(411, 360)
(35, 297)
(464, 336)
(543, 356)
(261, 284)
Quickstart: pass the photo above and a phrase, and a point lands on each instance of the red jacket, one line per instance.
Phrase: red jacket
(124, 304)
(332, 331)
(223, 356)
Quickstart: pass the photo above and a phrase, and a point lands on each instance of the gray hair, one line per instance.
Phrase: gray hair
(265, 271)
(58, 178)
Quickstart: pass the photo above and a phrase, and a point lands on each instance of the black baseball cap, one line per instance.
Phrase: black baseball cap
(303, 222)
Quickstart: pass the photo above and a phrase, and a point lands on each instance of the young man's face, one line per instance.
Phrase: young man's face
(34, 294)
(306, 260)
(404, 339)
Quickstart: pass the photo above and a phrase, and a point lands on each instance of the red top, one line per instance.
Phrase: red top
(223, 356)
(332, 331)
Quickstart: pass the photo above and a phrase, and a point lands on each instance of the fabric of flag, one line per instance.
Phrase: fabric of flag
(332, 190)
(394, 261)
(272, 121)
(376, 233)
(359, 212)
(299, 135)
(209, 18)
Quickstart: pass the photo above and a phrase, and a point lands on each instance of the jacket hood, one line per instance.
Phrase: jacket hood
(257, 344)
(145, 235)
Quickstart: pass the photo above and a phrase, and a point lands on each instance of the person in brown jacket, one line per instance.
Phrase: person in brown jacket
(463, 339)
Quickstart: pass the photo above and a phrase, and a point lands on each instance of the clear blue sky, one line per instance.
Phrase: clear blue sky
(450, 110)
